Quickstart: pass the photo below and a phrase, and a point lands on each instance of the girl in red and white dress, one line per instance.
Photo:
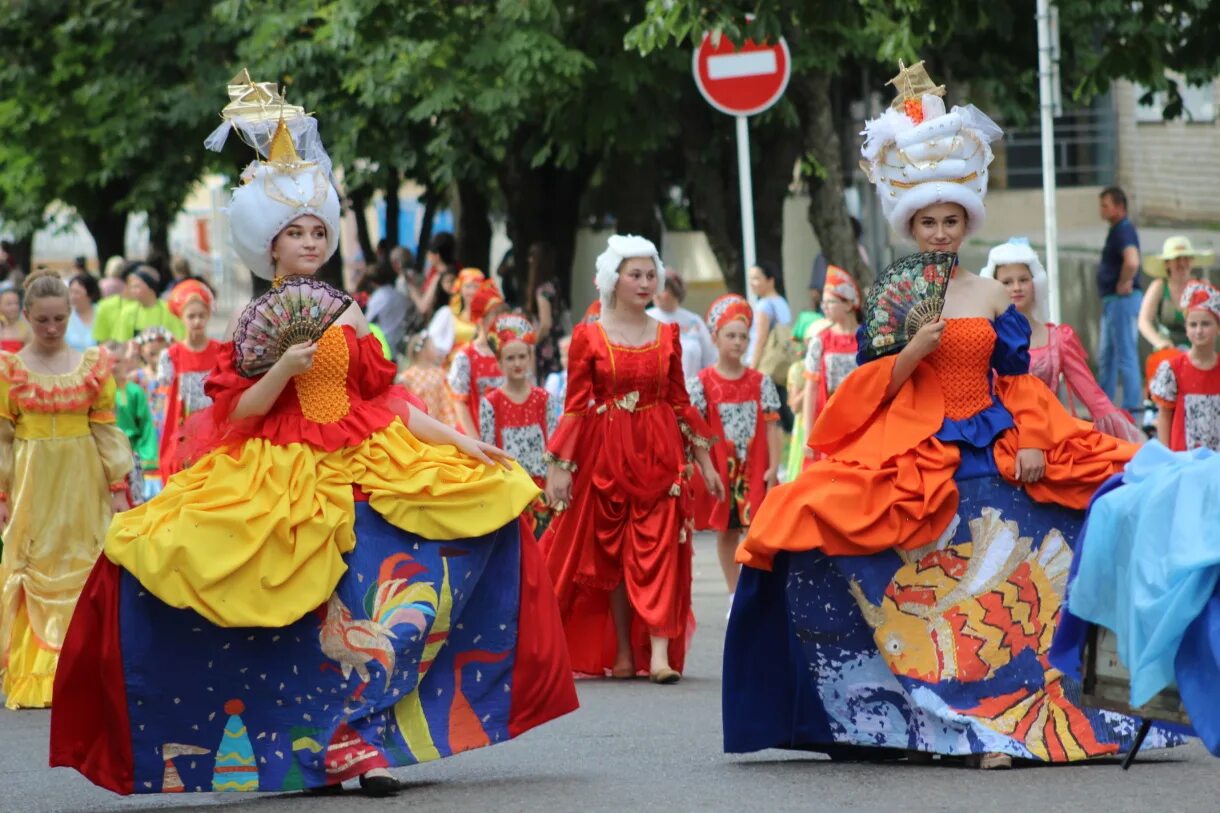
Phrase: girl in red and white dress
(831, 355)
(518, 416)
(183, 367)
(1187, 387)
(475, 370)
(741, 405)
(617, 550)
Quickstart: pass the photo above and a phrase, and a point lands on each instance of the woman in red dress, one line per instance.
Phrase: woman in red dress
(184, 366)
(616, 550)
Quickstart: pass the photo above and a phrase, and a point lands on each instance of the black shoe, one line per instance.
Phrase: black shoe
(379, 786)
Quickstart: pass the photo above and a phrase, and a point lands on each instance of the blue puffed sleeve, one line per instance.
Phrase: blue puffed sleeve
(1012, 332)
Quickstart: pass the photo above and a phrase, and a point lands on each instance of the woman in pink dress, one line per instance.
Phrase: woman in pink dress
(1055, 351)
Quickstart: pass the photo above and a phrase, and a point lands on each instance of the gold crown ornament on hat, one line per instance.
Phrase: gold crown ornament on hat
(913, 84)
(266, 121)
(291, 177)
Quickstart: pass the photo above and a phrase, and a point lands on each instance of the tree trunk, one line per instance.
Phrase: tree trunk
(544, 204)
(158, 233)
(709, 158)
(775, 150)
(108, 227)
(392, 209)
(473, 226)
(21, 253)
(360, 201)
(633, 195)
(98, 209)
(431, 201)
(827, 209)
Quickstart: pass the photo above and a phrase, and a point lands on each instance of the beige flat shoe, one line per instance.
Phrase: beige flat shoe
(992, 762)
(665, 677)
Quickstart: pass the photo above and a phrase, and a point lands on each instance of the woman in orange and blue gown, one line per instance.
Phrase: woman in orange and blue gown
(900, 596)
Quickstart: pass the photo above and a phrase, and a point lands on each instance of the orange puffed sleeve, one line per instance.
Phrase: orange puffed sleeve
(1078, 457)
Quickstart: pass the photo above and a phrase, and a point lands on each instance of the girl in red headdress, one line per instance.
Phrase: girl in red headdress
(183, 367)
(517, 416)
(741, 405)
(1187, 387)
(475, 370)
(618, 549)
(831, 355)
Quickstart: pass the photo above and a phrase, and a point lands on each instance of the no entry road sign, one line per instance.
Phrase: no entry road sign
(741, 81)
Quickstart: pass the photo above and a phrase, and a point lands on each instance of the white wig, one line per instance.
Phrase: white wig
(1018, 251)
(622, 247)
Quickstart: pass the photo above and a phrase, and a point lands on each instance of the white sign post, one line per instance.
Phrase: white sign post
(742, 81)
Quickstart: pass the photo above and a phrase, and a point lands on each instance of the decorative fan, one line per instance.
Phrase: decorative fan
(299, 309)
(908, 294)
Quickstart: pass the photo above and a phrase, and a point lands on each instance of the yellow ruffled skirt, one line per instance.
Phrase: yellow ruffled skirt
(255, 537)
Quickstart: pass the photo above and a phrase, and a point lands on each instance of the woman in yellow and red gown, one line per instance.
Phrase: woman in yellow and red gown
(620, 551)
(338, 585)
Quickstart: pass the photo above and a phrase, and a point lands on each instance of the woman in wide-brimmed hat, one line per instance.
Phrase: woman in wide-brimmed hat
(1161, 321)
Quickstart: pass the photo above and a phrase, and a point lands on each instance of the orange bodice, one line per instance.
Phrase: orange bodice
(962, 364)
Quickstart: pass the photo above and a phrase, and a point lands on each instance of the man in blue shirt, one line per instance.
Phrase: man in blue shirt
(1119, 287)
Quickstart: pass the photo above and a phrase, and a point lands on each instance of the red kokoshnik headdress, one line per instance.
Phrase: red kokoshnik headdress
(1200, 295)
(186, 291)
(511, 328)
(725, 309)
(843, 285)
(485, 298)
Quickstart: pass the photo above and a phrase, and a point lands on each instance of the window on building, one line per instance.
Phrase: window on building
(1198, 103)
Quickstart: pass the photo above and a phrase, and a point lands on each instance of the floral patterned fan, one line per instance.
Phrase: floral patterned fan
(908, 294)
(299, 309)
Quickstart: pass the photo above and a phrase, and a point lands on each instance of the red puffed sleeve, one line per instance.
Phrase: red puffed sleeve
(694, 428)
(374, 372)
(224, 385)
(561, 450)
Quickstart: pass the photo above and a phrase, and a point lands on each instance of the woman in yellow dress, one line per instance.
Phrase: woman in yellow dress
(338, 585)
(63, 472)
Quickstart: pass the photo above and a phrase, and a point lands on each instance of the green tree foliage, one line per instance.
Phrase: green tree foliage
(102, 107)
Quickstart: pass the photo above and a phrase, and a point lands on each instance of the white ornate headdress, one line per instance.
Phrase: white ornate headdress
(618, 248)
(1018, 251)
(919, 155)
(293, 180)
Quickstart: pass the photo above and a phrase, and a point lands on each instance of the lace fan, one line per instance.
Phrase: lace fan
(298, 310)
(908, 294)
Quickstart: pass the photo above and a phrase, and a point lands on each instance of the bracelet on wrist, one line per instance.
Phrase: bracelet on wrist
(120, 486)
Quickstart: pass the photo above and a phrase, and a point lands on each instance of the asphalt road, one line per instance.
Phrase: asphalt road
(639, 747)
